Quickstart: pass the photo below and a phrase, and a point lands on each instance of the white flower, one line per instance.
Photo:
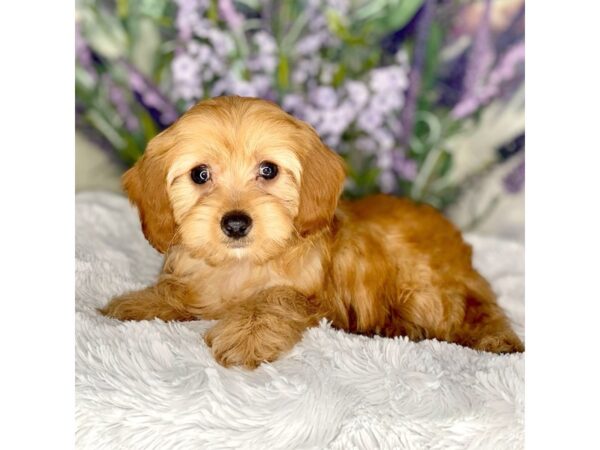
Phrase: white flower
(358, 93)
(185, 69)
(387, 101)
(391, 78)
(384, 138)
(324, 97)
(369, 120)
(265, 42)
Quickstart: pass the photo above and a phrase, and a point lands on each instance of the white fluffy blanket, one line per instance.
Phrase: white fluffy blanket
(155, 385)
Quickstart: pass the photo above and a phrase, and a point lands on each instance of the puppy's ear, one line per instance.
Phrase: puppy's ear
(146, 186)
(323, 174)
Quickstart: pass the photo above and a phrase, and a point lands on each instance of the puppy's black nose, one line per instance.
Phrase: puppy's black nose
(236, 224)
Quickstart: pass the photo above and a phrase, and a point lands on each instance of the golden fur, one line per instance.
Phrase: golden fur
(380, 265)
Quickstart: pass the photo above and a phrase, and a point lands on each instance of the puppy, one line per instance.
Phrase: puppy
(243, 200)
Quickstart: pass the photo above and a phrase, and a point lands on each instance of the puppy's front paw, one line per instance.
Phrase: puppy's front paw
(246, 342)
(125, 307)
(146, 304)
(261, 329)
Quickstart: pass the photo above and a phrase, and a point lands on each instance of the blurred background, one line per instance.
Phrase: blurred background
(422, 98)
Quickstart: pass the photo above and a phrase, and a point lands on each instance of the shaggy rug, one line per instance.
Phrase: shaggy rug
(154, 385)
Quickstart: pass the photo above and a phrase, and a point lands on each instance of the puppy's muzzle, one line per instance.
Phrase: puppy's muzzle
(236, 224)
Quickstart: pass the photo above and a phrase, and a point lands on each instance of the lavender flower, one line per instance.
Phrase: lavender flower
(388, 79)
(362, 107)
(405, 167)
(119, 101)
(159, 107)
(228, 12)
(358, 93)
(83, 55)
(310, 44)
(369, 120)
(480, 61)
(189, 13)
(82, 51)
(324, 97)
(506, 70)
(384, 138)
(186, 76)
(515, 180)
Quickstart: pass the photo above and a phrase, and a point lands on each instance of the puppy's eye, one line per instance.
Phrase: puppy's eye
(200, 174)
(267, 170)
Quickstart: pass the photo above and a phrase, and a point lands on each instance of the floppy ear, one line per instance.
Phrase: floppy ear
(146, 186)
(323, 174)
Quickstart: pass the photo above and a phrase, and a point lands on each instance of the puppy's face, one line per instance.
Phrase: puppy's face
(235, 178)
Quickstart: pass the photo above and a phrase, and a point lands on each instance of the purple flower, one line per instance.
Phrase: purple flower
(312, 116)
(202, 53)
(384, 138)
(478, 66)
(265, 43)
(292, 102)
(221, 42)
(335, 121)
(186, 77)
(150, 97)
(507, 69)
(385, 160)
(358, 93)
(188, 17)
(262, 63)
(82, 51)
(217, 65)
(263, 85)
(185, 69)
(83, 55)
(119, 101)
(369, 120)
(229, 14)
(385, 102)
(515, 180)
(324, 97)
(239, 87)
(310, 44)
(406, 168)
(390, 78)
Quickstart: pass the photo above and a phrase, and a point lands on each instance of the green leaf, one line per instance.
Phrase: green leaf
(336, 24)
(104, 32)
(122, 8)
(104, 127)
(283, 72)
(145, 46)
(444, 164)
(148, 126)
(401, 14)
(339, 76)
(434, 45)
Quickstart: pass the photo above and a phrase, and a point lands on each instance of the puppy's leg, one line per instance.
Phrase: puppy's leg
(165, 300)
(261, 328)
(485, 326)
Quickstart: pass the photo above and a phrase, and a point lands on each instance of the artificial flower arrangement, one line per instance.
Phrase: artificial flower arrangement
(387, 84)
